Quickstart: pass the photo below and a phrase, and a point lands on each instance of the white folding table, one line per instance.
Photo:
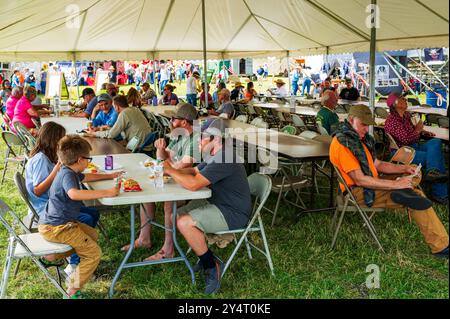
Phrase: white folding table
(72, 124)
(149, 194)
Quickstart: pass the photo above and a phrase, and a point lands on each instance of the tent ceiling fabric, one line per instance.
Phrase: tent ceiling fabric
(137, 29)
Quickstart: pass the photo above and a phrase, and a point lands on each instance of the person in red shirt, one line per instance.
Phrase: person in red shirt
(202, 97)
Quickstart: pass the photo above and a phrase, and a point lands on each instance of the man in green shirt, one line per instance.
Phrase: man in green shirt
(327, 117)
(182, 152)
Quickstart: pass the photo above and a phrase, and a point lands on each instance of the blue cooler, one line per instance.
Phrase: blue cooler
(432, 98)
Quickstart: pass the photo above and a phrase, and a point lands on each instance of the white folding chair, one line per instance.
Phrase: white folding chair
(260, 186)
(133, 144)
(242, 118)
(309, 134)
(26, 245)
(14, 147)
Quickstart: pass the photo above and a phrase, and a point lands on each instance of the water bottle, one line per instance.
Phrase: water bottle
(56, 101)
(155, 100)
(292, 103)
(159, 174)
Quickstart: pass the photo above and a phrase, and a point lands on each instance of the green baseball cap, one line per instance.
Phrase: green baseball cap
(363, 113)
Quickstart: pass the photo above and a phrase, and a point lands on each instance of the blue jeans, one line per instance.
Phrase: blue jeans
(192, 99)
(162, 85)
(306, 83)
(430, 155)
(294, 87)
(90, 217)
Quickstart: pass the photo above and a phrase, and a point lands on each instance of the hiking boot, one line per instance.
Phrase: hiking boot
(409, 198)
(440, 200)
(442, 254)
(212, 277)
(434, 176)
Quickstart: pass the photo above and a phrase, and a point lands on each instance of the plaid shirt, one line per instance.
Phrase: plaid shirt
(401, 129)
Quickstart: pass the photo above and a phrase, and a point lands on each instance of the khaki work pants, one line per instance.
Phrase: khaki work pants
(83, 240)
(430, 226)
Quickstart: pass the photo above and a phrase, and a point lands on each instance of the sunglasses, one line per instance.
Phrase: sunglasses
(87, 158)
(173, 118)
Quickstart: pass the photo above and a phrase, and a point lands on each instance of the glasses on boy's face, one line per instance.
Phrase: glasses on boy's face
(89, 159)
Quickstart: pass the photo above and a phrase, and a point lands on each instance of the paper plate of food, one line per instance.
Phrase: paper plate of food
(130, 185)
(92, 168)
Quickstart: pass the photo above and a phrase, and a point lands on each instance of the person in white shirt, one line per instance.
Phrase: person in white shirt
(191, 88)
(280, 90)
(165, 76)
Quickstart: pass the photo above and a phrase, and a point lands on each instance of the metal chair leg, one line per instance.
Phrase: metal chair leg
(249, 251)
(4, 170)
(6, 269)
(333, 242)
(16, 270)
(266, 246)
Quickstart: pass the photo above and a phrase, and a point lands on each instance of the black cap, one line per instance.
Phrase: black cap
(87, 91)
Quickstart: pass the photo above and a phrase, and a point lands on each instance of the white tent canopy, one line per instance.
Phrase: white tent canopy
(42, 30)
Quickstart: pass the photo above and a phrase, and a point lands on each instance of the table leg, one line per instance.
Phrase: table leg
(175, 242)
(128, 254)
(313, 176)
(331, 186)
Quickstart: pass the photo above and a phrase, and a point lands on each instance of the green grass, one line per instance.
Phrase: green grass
(305, 267)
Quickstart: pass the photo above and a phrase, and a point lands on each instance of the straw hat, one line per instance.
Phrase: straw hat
(280, 81)
(238, 84)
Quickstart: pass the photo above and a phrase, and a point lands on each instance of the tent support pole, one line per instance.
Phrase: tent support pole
(76, 78)
(288, 61)
(373, 41)
(205, 62)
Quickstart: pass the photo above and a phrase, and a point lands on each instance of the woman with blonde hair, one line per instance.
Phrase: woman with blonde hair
(133, 98)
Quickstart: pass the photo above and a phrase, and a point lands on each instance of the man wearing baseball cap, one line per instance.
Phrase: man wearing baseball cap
(181, 152)
(106, 116)
(349, 93)
(400, 126)
(90, 100)
(228, 207)
(352, 151)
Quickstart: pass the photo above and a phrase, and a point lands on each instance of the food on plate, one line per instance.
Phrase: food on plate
(130, 185)
(167, 178)
(149, 164)
(92, 168)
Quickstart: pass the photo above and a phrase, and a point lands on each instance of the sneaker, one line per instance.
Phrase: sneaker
(212, 277)
(77, 295)
(434, 176)
(442, 254)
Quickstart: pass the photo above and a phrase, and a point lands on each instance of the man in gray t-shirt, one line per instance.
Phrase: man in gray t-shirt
(226, 107)
(229, 206)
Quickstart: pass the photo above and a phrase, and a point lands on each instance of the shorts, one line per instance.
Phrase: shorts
(208, 217)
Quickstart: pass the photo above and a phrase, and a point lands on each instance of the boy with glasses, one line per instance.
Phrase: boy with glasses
(59, 223)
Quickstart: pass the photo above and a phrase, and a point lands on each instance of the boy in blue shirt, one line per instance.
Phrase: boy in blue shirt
(59, 222)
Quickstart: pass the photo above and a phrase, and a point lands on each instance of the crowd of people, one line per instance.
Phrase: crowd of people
(54, 171)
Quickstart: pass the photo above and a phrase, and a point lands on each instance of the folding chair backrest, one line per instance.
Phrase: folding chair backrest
(382, 99)
(268, 159)
(149, 140)
(288, 129)
(11, 141)
(443, 122)
(309, 134)
(256, 121)
(260, 187)
(432, 119)
(341, 181)
(413, 101)
(297, 120)
(404, 155)
(36, 123)
(7, 213)
(25, 135)
(381, 112)
(242, 118)
(322, 130)
(133, 144)
(7, 122)
(20, 184)
(393, 143)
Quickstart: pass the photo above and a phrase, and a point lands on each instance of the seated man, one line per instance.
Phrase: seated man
(280, 90)
(352, 151)
(226, 107)
(148, 93)
(181, 153)
(130, 123)
(106, 117)
(349, 93)
(429, 154)
(229, 206)
(327, 117)
(238, 92)
(89, 103)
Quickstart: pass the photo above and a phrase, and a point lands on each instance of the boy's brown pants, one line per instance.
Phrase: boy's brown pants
(83, 240)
